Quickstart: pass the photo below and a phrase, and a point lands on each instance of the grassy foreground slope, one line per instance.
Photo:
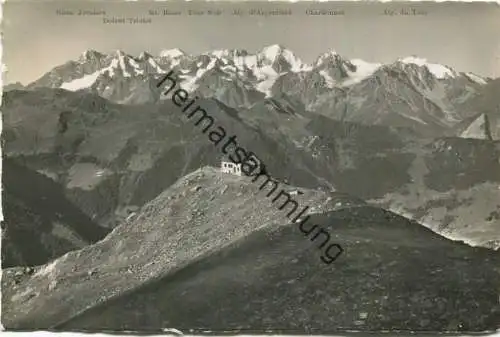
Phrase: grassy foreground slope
(394, 275)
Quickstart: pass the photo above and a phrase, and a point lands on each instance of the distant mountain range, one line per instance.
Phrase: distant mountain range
(410, 92)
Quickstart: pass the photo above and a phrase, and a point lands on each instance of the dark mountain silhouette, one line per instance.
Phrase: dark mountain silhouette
(39, 224)
(13, 86)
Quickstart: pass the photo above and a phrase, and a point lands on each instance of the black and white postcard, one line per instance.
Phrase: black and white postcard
(327, 168)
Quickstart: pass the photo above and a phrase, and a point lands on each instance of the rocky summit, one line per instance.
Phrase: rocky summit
(198, 215)
(212, 251)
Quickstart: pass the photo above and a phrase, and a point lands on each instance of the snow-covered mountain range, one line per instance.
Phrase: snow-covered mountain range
(409, 92)
(260, 70)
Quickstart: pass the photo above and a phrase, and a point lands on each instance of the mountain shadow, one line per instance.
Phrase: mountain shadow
(39, 224)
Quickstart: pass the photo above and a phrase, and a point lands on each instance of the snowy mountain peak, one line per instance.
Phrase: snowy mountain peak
(124, 65)
(120, 53)
(362, 71)
(220, 53)
(438, 70)
(476, 78)
(276, 53)
(228, 53)
(172, 53)
(331, 54)
(145, 56)
(272, 51)
(90, 54)
(263, 71)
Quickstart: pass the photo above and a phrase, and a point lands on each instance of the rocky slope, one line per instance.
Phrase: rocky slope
(212, 235)
(201, 213)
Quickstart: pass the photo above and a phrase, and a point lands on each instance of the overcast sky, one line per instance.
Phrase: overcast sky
(462, 35)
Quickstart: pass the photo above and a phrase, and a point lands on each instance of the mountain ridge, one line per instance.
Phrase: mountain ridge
(112, 158)
(147, 245)
(267, 54)
(154, 248)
